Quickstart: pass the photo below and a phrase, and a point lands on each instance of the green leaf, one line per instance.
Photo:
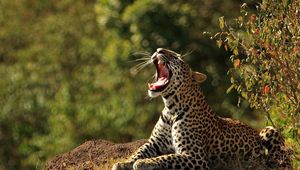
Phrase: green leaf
(219, 43)
(229, 89)
(235, 51)
(221, 22)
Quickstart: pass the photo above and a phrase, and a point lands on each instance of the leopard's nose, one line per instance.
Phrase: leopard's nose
(154, 56)
(159, 50)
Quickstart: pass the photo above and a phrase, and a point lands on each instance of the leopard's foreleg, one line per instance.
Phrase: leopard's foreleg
(158, 144)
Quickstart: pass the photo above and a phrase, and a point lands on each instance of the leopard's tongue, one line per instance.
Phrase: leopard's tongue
(159, 83)
(163, 77)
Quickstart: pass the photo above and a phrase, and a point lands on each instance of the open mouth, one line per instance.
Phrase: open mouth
(163, 76)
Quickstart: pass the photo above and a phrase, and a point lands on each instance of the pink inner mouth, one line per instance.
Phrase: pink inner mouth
(162, 77)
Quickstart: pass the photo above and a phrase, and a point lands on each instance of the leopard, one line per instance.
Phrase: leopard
(189, 135)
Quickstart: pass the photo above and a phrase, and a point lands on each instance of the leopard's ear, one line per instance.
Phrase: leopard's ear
(199, 77)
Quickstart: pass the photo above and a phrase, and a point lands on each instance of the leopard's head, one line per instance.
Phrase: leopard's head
(171, 73)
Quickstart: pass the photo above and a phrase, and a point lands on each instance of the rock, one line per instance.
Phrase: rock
(93, 155)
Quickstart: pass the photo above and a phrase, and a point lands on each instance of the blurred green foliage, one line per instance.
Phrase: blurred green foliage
(65, 70)
(265, 48)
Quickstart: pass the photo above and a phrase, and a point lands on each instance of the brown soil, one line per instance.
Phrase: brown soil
(93, 155)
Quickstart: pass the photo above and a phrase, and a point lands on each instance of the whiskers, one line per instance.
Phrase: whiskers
(144, 61)
(187, 53)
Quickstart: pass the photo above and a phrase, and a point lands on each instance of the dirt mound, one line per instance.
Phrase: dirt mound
(93, 155)
(101, 154)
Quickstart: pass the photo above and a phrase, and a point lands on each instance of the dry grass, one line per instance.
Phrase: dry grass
(88, 165)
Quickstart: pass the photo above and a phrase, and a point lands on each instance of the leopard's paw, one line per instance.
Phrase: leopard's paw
(123, 166)
(143, 165)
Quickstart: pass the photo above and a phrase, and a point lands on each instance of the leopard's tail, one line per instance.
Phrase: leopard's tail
(276, 154)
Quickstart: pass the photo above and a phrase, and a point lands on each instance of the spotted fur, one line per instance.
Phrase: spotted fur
(189, 135)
